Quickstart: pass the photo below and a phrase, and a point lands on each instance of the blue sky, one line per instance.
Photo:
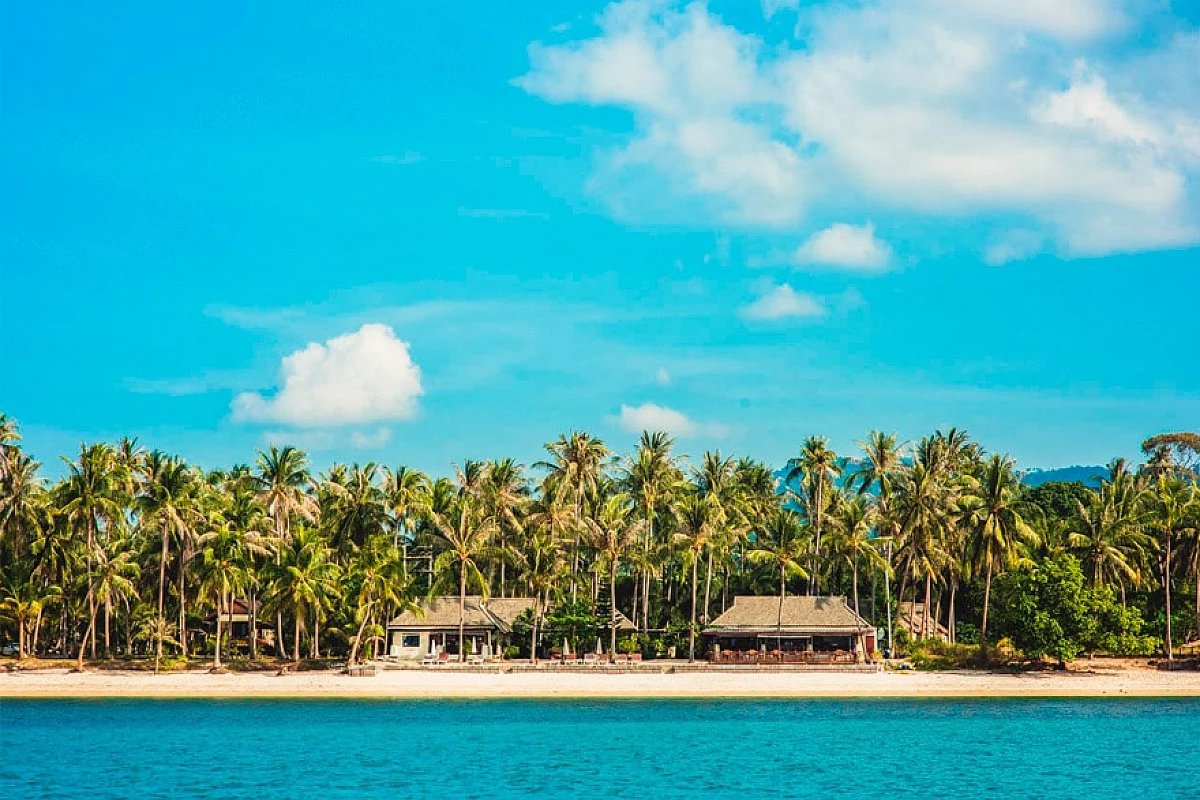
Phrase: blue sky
(420, 233)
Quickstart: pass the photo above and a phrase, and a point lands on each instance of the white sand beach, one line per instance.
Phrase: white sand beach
(432, 684)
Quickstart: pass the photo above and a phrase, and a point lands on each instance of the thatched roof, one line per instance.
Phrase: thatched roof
(803, 615)
(911, 615)
(442, 612)
(497, 613)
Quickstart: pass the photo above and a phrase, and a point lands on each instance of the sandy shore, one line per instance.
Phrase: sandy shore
(419, 684)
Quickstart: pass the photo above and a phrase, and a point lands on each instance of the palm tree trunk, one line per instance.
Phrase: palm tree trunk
(708, 573)
(887, 595)
(253, 616)
(1167, 598)
(183, 639)
(854, 567)
(462, 609)
(358, 636)
(950, 612)
(296, 636)
(91, 628)
(612, 598)
(316, 637)
(533, 636)
(925, 610)
(692, 627)
(987, 596)
(220, 613)
(162, 582)
(107, 628)
(782, 594)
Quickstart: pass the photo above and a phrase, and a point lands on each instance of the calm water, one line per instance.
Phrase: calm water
(675, 749)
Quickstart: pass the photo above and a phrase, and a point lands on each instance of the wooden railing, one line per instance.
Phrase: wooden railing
(778, 657)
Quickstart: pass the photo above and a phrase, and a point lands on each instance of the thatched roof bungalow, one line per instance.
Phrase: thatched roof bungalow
(799, 629)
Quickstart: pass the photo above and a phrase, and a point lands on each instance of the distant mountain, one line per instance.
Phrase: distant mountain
(1088, 476)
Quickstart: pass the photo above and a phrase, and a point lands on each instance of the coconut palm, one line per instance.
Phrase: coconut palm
(227, 554)
(698, 518)
(1106, 534)
(814, 473)
(1172, 503)
(110, 581)
(879, 469)
(995, 514)
(407, 494)
(90, 496)
(611, 532)
(852, 540)
(466, 537)
(168, 503)
(577, 467)
(541, 569)
(783, 543)
(505, 495)
(378, 582)
(303, 583)
(651, 477)
(354, 508)
(23, 603)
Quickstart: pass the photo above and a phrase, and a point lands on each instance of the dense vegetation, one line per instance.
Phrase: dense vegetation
(130, 552)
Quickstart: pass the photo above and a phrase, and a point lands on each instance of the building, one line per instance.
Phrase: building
(237, 619)
(434, 630)
(800, 630)
(487, 625)
(911, 617)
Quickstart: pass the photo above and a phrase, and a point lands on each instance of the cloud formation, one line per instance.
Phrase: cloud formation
(653, 417)
(944, 108)
(784, 302)
(357, 378)
(848, 247)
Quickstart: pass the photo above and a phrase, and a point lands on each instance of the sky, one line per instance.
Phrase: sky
(418, 233)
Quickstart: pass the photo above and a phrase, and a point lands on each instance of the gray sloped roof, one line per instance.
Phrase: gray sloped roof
(443, 612)
(803, 614)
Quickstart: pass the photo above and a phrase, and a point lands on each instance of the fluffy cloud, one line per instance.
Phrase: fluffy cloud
(361, 377)
(652, 417)
(846, 247)
(943, 108)
(784, 302)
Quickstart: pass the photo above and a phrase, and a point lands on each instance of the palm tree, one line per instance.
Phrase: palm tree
(23, 603)
(650, 477)
(226, 556)
(577, 466)
(783, 544)
(354, 508)
(379, 581)
(995, 514)
(407, 493)
(466, 536)
(1106, 534)
(169, 503)
(698, 519)
(1173, 505)
(303, 583)
(852, 541)
(90, 496)
(505, 493)
(110, 581)
(281, 477)
(879, 469)
(814, 472)
(611, 533)
(925, 508)
(541, 570)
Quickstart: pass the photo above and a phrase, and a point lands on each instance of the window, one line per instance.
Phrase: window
(411, 641)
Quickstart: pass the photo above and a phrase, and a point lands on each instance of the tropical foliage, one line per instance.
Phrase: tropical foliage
(131, 552)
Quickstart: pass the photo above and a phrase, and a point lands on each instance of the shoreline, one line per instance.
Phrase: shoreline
(448, 685)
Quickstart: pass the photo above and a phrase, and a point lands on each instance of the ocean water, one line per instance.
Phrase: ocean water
(334, 749)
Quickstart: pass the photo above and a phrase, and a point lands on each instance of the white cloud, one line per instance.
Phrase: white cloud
(652, 417)
(371, 440)
(361, 377)
(1016, 245)
(784, 302)
(846, 247)
(943, 108)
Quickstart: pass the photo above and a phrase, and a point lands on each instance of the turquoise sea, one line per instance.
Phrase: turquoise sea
(334, 749)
